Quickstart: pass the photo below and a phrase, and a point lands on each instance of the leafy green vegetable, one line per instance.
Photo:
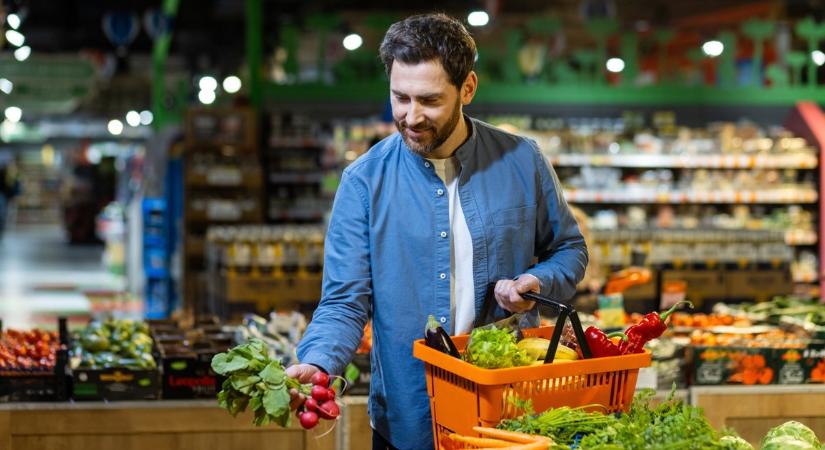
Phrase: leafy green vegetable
(735, 443)
(670, 425)
(255, 381)
(560, 424)
(792, 429)
(786, 442)
(495, 348)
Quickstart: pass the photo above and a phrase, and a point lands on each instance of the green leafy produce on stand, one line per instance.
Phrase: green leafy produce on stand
(495, 348)
(670, 425)
(791, 435)
(113, 343)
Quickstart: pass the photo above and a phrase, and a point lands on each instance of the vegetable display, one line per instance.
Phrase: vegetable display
(254, 380)
(28, 351)
(671, 425)
(113, 343)
(496, 439)
(790, 435)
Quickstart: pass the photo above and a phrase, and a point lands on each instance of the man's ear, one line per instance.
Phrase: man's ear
(468, 88)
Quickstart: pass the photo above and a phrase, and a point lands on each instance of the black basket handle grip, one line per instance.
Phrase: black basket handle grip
(564, 311)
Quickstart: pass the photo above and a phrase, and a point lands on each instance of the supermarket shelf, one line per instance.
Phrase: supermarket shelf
(774, 196)
(296, 177)
(304, 142)
(526, 93)
(790, 161)
(296, 214)
(791, 237)
(801, 238)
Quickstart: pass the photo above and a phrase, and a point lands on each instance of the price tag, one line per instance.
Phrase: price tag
(648, 379)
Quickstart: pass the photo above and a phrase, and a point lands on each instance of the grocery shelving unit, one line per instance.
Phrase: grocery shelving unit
(222, 185)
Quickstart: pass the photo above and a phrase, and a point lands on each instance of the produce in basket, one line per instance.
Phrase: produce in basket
(254, 380)
(537, 347)
(650, 327)
(436, 337)
(494, 348)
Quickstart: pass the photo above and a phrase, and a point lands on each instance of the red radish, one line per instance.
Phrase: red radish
(311, 404)
(329, 410)
(320, 379)
(331, 394)
(320, 393)
(308, 420)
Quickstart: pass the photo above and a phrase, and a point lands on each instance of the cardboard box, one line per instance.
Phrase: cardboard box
(115, 384)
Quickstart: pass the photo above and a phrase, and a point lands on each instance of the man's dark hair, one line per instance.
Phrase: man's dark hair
(431, 36)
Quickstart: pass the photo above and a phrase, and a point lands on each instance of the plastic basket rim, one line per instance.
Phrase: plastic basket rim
(479, 375)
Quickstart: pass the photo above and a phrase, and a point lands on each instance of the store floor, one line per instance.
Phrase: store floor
(42, 276)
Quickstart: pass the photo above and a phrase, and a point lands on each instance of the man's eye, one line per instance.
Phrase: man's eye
(402, 98)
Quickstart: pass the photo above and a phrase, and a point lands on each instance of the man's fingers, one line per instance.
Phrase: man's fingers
(296, 399)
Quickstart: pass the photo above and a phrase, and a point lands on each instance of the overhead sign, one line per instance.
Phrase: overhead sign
(48, 83)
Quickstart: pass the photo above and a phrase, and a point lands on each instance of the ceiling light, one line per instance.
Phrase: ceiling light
(6, 86)
(133, 118)
(206, 97)
(14, 114)
(208, 83)
(15, 38)
(146, 117)
(352, 41)
(115, 127)
(13, 20)
(615, 65)
(23, 53)
(713, 48)
(818, 57)
(232, 84)
(478, 18)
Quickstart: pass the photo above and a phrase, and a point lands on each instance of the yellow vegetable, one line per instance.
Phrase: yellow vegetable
(537, 349)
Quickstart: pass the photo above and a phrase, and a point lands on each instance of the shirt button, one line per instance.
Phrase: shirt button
(443, 320)
(440, 192)
(426, 164)
(443, 276)
(443, 234)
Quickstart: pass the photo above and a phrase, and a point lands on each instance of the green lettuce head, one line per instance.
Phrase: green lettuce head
(795, 430)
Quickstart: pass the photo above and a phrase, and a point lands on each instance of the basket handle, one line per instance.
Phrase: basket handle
(564, 311)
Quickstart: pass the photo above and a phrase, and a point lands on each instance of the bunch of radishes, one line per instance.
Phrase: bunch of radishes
(320, 404)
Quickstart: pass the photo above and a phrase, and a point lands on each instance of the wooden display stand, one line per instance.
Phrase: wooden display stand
(753, 410)
(170, 424)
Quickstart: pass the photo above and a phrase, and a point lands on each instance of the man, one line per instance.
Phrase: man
(425, 221)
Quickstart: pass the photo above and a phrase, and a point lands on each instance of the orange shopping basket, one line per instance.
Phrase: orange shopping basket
(463, 395)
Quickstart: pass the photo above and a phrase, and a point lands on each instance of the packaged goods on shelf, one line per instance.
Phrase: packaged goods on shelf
(113, 360)
(264, 266)
(358, 371)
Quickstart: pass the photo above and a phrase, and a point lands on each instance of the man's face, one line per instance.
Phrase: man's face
(425, 106)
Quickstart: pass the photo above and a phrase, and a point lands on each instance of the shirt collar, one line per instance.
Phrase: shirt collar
(463, 153)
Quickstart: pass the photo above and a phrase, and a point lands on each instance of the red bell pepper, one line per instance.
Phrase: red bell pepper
(650, 327)
(600, 343)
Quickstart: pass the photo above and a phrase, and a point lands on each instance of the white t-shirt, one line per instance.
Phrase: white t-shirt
(462, 294)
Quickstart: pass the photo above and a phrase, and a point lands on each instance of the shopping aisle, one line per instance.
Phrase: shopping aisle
(42, 276)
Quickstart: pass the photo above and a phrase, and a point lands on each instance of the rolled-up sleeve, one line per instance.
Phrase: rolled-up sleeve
(560, 246)
(337, 325)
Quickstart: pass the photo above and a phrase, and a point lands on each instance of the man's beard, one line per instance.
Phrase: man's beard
(426, 147)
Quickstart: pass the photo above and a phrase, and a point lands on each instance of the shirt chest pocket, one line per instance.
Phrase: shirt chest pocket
(514, 239)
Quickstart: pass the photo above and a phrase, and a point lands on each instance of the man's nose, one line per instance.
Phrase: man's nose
(414, 115)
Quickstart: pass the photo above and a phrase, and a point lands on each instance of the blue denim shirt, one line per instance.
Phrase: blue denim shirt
(385, 259)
